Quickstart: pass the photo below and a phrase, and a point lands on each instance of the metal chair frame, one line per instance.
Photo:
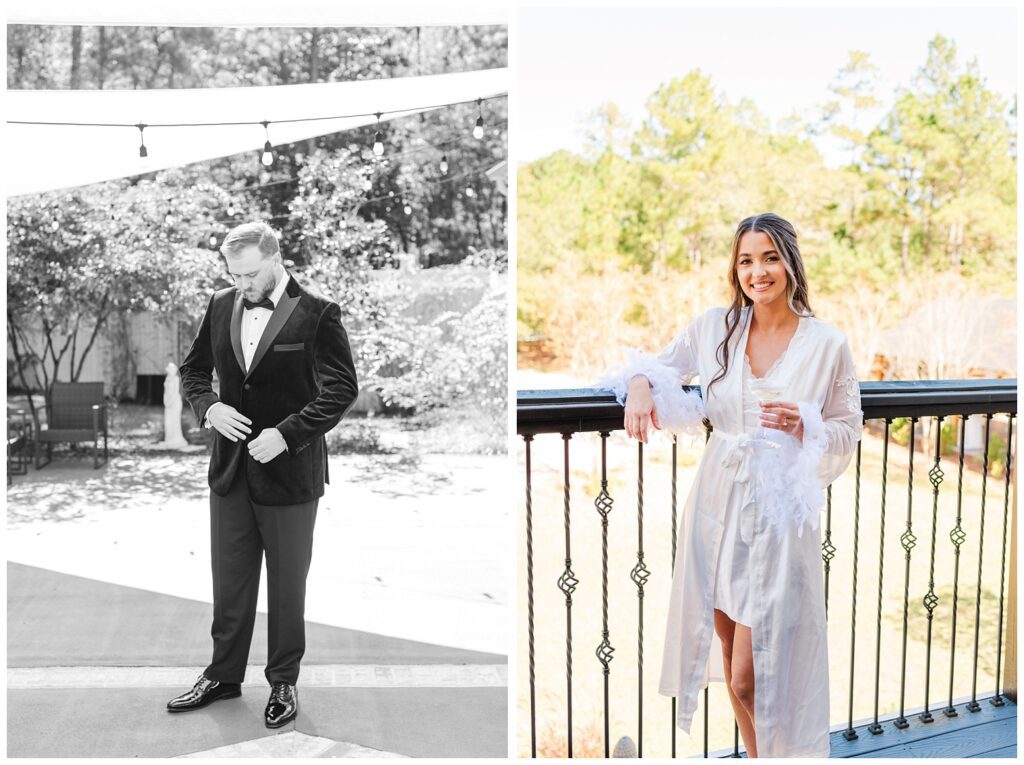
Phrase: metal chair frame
(75, 412)
(19, 444)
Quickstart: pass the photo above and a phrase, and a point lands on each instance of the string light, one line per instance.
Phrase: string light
(213, 240)
(408, 209)
(444, 164)
(470, 192)
(353, 208)
(478, 131)
(267, 158)
(367, 185)
(267, 155)
(378, 139)
(143, 152)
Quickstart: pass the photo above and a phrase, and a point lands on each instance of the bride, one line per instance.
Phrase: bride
(780, 391)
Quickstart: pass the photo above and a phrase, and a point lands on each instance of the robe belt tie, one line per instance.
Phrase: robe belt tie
(739, 454)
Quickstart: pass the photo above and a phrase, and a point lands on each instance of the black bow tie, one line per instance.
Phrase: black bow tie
(264, 303)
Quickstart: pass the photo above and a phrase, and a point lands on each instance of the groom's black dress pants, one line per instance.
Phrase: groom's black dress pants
(240, 531)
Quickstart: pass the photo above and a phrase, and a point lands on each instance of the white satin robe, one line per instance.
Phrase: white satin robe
(779, 493)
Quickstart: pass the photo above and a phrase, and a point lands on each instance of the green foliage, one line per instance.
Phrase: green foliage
(899, 430)
(415, 361)
(996, 455)
(441, 343)
(114, 57)
(929, 189)
(77, 258)
(949, 436)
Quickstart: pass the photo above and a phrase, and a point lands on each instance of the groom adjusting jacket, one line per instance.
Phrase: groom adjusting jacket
(286, 377)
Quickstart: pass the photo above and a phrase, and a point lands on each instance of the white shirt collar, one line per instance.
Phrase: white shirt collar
(275, 296)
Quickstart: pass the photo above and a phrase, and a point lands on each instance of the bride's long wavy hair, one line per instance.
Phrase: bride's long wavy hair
(783, 237)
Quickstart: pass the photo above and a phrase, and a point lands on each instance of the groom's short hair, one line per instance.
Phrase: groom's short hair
(256, 233)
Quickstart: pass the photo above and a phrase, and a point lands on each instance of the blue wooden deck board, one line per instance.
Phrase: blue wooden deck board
(1005, 751)
(921, 736)
(989, 732)
(965, 742)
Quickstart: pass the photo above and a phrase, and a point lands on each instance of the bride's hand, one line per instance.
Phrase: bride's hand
(784, 416)
(640, 411)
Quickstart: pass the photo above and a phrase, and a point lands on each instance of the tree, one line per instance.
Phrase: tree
(76, 259)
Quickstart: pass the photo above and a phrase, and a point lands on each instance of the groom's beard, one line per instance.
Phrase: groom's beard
(256, 294)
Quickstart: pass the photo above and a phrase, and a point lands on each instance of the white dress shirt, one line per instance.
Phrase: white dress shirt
(254, 321)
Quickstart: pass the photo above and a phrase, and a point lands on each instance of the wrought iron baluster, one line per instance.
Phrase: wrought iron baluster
(907, 540)
(603, 503)
(828, 550)
(567, 584)
(706, 721)
(850, 734)
(957, 537)
(675, 445)
(930, 600)
(875, 727)
(997, 700)
(707, 436)
(529, 597)
(639, 575)
(973, 705)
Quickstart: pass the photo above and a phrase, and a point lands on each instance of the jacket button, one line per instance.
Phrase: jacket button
(247, 386)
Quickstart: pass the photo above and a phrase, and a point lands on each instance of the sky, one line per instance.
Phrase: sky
(571, 60)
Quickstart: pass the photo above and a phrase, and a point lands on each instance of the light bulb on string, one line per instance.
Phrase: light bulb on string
(478, 130)
(378, 139)
(367, 185)
(213, 241)
(408, 209)
(470, 192)
(143, 151)
(267, 157)
(444, 164)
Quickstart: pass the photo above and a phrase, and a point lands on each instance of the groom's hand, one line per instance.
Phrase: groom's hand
(267, 445)
(228, 421)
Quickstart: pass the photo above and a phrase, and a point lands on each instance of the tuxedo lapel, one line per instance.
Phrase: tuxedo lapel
(278, 318)
(236, 331)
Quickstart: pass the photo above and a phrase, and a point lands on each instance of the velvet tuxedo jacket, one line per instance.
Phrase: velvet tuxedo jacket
(301, 381)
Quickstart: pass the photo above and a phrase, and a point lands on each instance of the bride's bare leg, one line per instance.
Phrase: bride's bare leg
(743, 683)
(728, 631)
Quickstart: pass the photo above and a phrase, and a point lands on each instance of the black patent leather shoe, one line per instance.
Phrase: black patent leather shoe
(282, 706)
(204, 692)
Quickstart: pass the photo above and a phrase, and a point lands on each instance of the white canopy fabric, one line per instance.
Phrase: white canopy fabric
(51, 157)
(252, 13)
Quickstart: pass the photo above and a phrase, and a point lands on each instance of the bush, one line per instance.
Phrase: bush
(900, 430)
(355, 436)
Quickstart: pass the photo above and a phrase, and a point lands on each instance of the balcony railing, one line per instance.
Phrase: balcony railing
(907, 600)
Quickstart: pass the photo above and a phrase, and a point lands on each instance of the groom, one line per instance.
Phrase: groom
(286, 378)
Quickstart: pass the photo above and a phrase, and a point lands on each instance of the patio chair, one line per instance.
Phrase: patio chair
(75, 412)
(19, 442)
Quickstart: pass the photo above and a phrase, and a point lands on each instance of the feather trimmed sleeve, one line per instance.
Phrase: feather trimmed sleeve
(831, 433)
(678, 411)
(792, 479)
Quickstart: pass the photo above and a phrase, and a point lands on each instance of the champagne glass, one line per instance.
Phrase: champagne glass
(771, 390)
